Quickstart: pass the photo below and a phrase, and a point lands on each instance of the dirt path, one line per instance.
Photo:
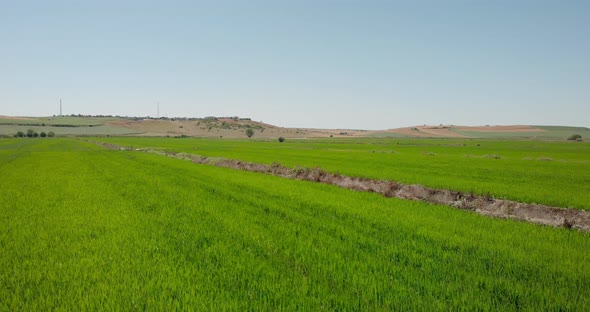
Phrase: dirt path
(488, 206)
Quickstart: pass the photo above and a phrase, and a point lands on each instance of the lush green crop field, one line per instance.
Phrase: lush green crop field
(86, 228)
(62, 126)
(550, 133)
(553, 173)
(95, 130)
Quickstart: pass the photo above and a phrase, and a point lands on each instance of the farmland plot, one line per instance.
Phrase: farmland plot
(551, 173)
(86, 228)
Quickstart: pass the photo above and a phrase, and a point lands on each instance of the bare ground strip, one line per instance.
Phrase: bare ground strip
(485, 205)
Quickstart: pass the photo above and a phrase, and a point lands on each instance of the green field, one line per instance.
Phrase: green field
(85, 228)
(552, 173)
(62, 126)
(58, 120)
(550, 133)
(67, 131)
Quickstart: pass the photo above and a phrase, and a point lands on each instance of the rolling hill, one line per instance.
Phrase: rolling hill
(235, 127)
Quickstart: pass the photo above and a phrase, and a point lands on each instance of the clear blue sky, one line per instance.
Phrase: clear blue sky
(345, 64)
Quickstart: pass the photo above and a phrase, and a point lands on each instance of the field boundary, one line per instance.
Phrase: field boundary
(484, 205)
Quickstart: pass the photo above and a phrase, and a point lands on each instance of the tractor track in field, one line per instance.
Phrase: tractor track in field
(484, 205)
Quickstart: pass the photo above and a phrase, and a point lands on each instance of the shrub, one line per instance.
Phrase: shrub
(249, 132)
(43, 134)
(30, 133)
(20, 134)
(35, 134)
(281, 139)
(574, 137)
(51, 134)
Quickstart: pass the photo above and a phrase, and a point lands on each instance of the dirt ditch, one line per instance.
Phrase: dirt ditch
(485, 205)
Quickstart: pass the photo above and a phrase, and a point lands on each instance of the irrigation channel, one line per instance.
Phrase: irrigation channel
(484, 205)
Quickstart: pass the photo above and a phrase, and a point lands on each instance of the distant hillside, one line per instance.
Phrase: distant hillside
(226, 127)
(490, 132)
(235, 127)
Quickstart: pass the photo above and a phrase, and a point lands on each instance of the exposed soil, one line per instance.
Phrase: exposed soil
(427, 132)
(409, 131)
(485, 205)
(13, 117)
(441, 132)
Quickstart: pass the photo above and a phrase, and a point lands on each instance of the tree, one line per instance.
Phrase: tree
(281, 139)
(35, 134)
(43, 134)
(51, 134)
(20, 134)
(575, 137)
(249, 132)
(30, 133)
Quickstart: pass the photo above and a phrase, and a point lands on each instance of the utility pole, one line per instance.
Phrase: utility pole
(60, 111)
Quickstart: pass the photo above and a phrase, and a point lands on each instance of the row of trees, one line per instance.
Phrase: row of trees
(32, 134)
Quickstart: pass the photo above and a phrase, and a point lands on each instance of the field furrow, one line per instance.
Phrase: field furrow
(549, 173)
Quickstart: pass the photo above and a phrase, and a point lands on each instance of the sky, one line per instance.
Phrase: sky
(321, 63)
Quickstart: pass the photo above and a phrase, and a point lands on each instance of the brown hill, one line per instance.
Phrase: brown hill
(235, 127)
